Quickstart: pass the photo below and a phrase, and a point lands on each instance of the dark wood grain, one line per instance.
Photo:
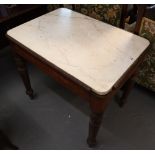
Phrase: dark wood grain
(94, 125)
(140, 15)
(126, 91)
(123, 15)
(22, 69)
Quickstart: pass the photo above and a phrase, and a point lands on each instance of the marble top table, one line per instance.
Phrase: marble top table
(91, 58)
(91, 51)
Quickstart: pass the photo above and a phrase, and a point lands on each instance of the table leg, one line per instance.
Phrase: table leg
(127, 89)
(21, 67)
(97, 106)
(94, 125)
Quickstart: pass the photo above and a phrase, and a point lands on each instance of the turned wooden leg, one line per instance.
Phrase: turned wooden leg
(94, 125)
(20, 63)
(127, 89)
(97, 106)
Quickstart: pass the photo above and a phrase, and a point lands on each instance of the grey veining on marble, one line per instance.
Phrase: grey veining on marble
(93, 52)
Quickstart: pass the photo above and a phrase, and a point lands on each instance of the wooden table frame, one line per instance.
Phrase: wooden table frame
(97, 103)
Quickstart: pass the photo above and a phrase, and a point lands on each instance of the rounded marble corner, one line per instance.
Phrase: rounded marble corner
(148, 42)
(8, 33)
(101, 92)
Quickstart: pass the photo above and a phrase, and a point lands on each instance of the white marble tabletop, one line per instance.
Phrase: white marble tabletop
(93, 52)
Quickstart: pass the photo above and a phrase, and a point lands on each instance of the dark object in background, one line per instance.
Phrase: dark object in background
(5, 143)
(150, 12)
(14, 15)
(132, 14)
(3, 11)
